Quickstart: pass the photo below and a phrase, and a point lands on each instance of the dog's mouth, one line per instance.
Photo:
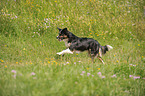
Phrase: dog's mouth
(60, 38)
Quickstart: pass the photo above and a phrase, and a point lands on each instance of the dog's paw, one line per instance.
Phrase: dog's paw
(59, 53)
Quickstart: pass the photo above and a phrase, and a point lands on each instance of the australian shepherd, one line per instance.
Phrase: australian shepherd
(77, 44)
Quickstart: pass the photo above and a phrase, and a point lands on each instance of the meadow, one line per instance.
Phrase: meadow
(29, 65)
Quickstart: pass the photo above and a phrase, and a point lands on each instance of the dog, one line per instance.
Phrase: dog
(77, 44)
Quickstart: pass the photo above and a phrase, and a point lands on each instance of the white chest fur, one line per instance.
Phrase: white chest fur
(66, 42)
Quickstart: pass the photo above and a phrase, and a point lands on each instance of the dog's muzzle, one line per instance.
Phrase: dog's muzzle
(61, 37)
(57, 37)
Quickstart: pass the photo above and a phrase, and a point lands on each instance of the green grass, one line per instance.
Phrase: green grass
(29, 65)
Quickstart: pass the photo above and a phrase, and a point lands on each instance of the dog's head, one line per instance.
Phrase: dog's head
(63, 34)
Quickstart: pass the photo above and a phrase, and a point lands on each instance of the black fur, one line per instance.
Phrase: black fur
(82, 44)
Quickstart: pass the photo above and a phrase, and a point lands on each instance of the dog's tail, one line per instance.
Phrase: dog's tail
(109, 47)
(104, 49)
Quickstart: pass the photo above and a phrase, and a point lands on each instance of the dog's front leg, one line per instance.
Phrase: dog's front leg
(65, 51)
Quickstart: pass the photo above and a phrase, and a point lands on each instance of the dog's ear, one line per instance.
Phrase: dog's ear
(59, 29)
(65, 29)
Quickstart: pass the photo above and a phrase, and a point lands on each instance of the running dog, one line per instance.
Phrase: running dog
(77, 44)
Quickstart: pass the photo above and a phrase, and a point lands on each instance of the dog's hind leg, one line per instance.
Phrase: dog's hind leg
(89, 52)
(92, 57)
(100, 59)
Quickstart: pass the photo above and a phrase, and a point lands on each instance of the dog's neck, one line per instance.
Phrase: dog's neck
(67, 44)
(72, 37)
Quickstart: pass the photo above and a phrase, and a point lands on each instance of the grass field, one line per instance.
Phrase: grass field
(29, 65)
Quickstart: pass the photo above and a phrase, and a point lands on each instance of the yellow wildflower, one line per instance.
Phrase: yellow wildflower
(1, 60)
(24, 49)
(98, 68)
(40, 42)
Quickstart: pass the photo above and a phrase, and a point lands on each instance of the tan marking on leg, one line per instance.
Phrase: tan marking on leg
(100, 52)
(101, 60)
